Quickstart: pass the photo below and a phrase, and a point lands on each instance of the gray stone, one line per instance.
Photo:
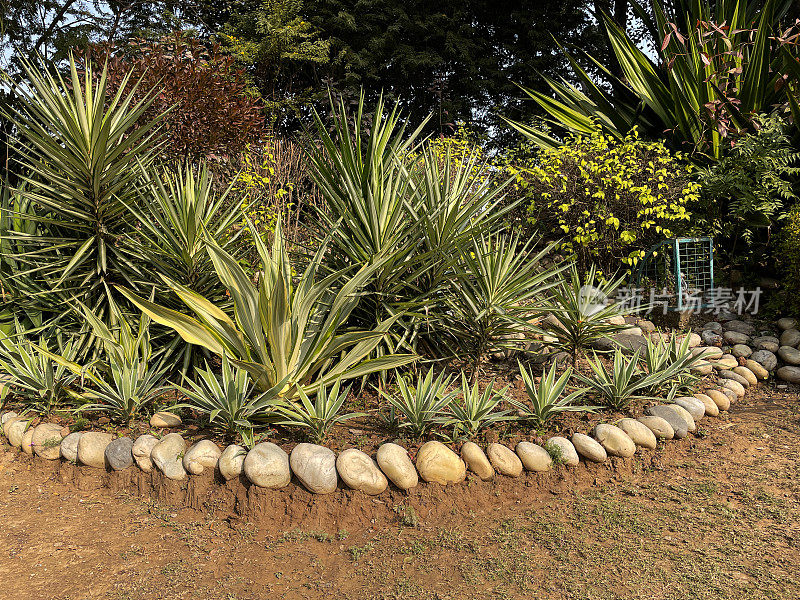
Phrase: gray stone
(119, 454)
(692, 405)
(685, 415)
(661, 428)
(710, 338)
(713, 326)
(734, 386)
(734, 337)
(640, 434)
(504, 460)
(732, 375)
(397, 466)
(163, 419)
(767, 342)
(741, 351)
(789, 374)
(787, 323)
(790, 337)
(167, 455)
(789, 355)
(201, 456)
(765, 358)
(476, 461)
(231, 461)
(92, 448)
(740, 327)
(141, 450)
(46, 440)
(360, 472)
(534, 457)
(267, 466)
(628, 343)
(69, 446)
(614, 440)
(315, 467)
(562, 448)
(436, 463)
(679, 426)
(588, 448)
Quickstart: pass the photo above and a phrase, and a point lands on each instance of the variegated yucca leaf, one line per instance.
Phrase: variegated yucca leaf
(282, 329)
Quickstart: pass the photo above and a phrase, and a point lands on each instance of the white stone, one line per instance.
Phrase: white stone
(142, 448)
(315, 467)
(267, 466)
(201, 456)
(167, 455)
(231, 461)
(360, 472)
(397, 466)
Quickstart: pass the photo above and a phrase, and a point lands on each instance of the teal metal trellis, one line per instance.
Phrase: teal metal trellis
(683, 267)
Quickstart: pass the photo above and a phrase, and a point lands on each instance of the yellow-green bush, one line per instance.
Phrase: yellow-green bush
(610, 200)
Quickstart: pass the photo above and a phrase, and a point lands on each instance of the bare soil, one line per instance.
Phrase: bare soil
(714, 516)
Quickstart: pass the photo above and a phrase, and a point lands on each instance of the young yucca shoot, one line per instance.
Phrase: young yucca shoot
(546, 397)
(420, 407)
(476, 409)
(319, 415)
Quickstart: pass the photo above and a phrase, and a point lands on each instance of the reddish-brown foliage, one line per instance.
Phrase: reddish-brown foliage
(214, 113)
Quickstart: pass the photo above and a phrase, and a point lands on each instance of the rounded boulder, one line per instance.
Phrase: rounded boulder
(360, 472)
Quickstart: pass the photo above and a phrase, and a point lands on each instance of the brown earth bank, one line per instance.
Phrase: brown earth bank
(713, 516)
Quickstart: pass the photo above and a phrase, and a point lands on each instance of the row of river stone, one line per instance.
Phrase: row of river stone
(319, 469)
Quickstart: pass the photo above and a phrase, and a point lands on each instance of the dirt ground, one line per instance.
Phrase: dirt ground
(715, 516)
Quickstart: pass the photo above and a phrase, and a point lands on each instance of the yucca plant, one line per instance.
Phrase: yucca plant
(318, 416)
(476, 410)
(127, 377)
(493, 287)
(282, 330)
(547, 399)
(79, 146)
(361, 172)
(228, 399)
(717, 65)
(625, 382)
(662, 354)
(420, 407)
(178, 210)
(579, 305)
(42, 384)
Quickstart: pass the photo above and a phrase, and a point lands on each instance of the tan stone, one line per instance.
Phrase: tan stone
(476, 461)
(436, 463)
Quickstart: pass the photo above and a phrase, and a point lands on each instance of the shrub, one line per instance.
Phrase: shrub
(318, 416)
(546, 401)
(227, 398)
(41, 383)
(582, 317)
(476, 410)
(789, 262)
(674, 355)
(610, 199)
(420, 407)
(212, 109)
(744, 196)
(286, 329)
(626, 381)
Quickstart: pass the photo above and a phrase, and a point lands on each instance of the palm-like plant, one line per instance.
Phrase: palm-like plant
(127, 377)
(626, 381)
(492, 289)
(476, 410)
(419, 408)
(319, 415)
(281, 331)
(228, 399)
(713, 71)
(675, 354)
(179, 212)
(80, 147)
(547, 399)
(42, 383)
(582, 315)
